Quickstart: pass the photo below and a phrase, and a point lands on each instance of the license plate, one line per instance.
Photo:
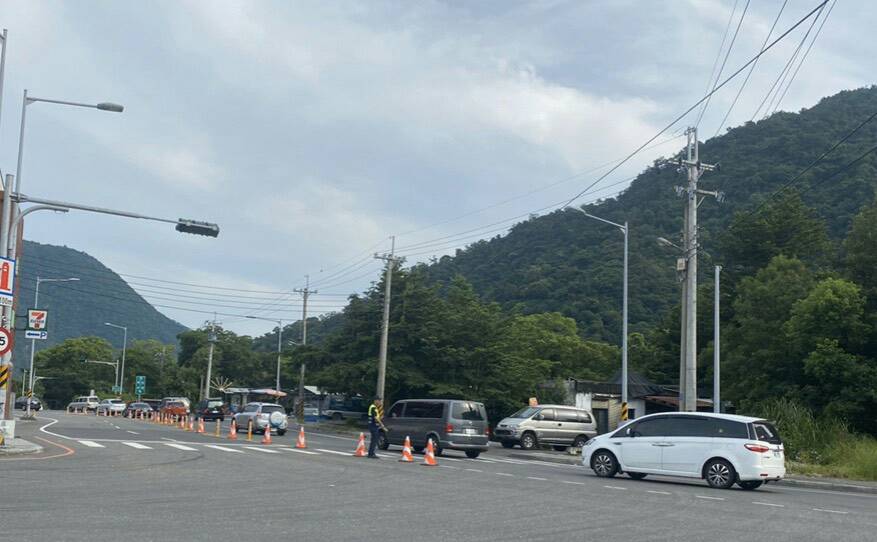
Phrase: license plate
(776, 453)
(469, 431)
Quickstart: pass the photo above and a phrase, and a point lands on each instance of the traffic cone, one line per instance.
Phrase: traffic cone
(200, 425)
(191, 425)
(300, 443)
(429, 455)
(183, 422)
(406, 451)
(360, 447)
(266, 436)
(232, 431)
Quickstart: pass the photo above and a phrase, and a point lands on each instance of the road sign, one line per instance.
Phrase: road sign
(117, 389)
(34, 334)
(7, 281)
(5, 341)
(37, 318)
(139, 384)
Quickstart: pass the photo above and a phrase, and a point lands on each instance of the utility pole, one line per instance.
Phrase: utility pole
(717, 395)
(391, 260)
(305, 292)
(211, 340)
(693, 199)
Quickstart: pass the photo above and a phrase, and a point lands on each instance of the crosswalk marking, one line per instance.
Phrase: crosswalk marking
(91, 444)
(137, 445)
(224, 448)
(296, 450)
(263, 450)
(180, 446)
(336, 452)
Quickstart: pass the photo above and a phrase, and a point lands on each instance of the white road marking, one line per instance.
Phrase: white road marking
(830, 511)
(769, 504)
(449, 467)
(578, 483)
(263, 450)
(616, 487)
(537, 478)
(709, 498)
(180, 447)
(503, 474)
(474, 470)
(336, 452)
(137, 445)
(117, 427)
(134, 432)
(452, 459)
(659, 492)
(223, 448)
(298, 451)
(91, 444)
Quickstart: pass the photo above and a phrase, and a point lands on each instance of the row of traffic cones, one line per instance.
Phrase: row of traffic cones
(407, 456)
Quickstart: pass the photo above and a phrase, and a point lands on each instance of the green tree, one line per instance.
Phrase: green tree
(833, 309)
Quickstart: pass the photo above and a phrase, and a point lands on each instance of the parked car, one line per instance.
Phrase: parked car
(183, 400)
(35, 404)
(265, 417)
(109, 407)
(175, 409)
(155, 404)
(136, 408)
(556, 425)
(451, 424)
(343, 409)
(84, 403)
(723, 449)
(211, 409)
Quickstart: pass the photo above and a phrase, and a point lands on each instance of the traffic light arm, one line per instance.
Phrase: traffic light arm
(182, 225)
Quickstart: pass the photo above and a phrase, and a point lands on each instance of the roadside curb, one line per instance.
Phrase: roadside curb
(794, 481)
(21, 446)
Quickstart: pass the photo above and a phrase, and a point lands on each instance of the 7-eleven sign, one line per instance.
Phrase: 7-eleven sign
(36, 319)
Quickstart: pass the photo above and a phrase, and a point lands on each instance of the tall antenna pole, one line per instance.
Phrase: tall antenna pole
(391, 260)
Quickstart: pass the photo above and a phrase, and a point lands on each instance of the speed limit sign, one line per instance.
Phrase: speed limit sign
(5, 341)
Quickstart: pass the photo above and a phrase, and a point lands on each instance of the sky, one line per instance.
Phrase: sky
(311, 132)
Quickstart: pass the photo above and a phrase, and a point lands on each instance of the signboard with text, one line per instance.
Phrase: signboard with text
(7, 281)
(37, 318)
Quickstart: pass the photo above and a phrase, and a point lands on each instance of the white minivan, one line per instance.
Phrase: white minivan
(723, 449)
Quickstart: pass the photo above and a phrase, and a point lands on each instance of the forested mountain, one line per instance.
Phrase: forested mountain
(74, 309)
(568, 263)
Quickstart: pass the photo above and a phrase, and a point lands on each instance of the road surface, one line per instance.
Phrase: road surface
(113, 478)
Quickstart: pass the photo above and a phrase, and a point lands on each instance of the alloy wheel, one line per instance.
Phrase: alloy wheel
(718, 475)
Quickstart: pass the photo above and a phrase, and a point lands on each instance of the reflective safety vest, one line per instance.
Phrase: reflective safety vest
(374, 416)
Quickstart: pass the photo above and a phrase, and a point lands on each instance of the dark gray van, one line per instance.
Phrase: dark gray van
(452, 424)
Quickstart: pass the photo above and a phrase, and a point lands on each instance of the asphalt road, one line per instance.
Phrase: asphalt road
(102, 479)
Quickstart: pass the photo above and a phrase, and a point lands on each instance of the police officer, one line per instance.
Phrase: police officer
(375, 424)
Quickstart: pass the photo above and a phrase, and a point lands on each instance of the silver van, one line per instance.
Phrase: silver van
(559, 426)
(451, 424)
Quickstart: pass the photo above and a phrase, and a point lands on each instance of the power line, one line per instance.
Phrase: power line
(751, 69)
(727, 54)
(694, 106)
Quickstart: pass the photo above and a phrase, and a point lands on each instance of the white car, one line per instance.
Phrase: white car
(111, 407)
(723, 449)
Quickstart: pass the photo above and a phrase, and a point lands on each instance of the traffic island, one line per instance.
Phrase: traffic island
(18, 446)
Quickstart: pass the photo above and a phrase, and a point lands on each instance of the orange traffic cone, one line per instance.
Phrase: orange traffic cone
(406, 451)
(300, 443)
(360, 447)
(191, 425)
(233, 431)
(183, 422)
(266, 436)
(429, 455)
(200, 425)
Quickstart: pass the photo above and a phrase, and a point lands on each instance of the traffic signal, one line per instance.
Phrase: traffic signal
(198, 228)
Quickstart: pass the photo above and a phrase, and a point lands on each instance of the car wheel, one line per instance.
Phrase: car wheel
(750, 484)
(719, 474)
(436, 448)
(383, 442)
(336, 416)
(579, 441)
(528, 441)
(473, 454)
(281, 432)
(507, 444)
(637, 475)
(604, 464)
(559, 448)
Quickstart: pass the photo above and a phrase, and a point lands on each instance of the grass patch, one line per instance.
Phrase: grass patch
(821, 446)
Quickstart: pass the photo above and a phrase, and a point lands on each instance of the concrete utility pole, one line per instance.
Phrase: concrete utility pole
(305, 292)
(692, 200)
(6, 318)
(211, 340)
(717, 395)
(391, 260)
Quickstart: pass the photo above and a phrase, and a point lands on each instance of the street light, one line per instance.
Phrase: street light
(625, 229)
(120, 384)
(33, 342)
(279, 344)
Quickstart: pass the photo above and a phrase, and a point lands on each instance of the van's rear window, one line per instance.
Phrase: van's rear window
(467, 411)
(766, 432)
